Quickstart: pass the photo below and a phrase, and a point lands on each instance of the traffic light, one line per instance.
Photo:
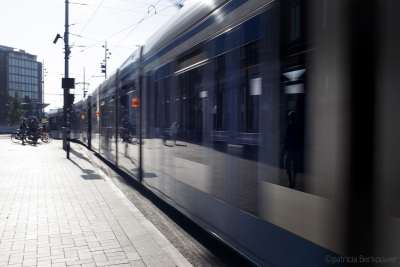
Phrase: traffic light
(70, 99)
(135, 102)
(103, 68)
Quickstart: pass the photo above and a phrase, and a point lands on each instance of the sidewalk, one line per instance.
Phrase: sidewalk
(56, 211)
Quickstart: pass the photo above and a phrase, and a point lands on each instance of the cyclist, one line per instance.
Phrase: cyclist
(22, 130)
(34, 125)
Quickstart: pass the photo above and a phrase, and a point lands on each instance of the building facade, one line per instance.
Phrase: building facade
(21, 71)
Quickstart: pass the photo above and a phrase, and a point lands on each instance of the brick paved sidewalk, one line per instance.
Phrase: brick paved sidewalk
(60, 212)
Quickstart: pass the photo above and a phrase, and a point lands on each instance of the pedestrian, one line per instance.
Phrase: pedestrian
(292, 147)
(125, 130)
(174, 131)
(22, 130)
(164, 133)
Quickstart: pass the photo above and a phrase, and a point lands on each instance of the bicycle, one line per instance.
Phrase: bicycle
(17, 136)
(45, 137)
(132, 138)
(127, 135)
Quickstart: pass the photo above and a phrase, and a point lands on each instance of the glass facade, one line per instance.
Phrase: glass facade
(23, 75)
(20, 71)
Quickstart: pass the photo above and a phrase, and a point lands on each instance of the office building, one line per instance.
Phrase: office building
(21, 71)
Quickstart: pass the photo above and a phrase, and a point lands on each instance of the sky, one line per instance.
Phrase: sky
(121, 24)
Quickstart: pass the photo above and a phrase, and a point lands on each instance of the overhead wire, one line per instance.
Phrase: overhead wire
(135, 25)
(89, 21)
(116, 13)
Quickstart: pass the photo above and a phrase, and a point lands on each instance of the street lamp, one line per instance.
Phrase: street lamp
(58, 36)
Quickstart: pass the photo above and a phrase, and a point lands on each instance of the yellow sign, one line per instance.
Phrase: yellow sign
(44, 120)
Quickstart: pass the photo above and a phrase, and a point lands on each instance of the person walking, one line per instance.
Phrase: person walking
(174, 131)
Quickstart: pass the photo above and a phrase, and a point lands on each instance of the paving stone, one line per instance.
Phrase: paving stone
(56, 211)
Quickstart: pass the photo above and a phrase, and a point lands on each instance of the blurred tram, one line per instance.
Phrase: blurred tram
(228, 73)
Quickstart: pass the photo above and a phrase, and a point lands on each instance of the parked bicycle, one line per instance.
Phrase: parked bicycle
(17, 137)
(45, 137)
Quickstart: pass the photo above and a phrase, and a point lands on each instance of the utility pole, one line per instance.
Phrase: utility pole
(44, 71)
(67, 83)
(84, 84)
(104, 64)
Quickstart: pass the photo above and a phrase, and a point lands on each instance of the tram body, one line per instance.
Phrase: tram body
(229, 72)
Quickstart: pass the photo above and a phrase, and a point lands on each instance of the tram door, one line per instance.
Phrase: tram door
(190, 104)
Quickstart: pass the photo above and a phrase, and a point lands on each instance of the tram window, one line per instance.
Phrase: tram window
(292, 19)
(220, 66)
(157, 104)
(250, 55)
(166, 99)
(220, 98)
(190, 59)
(250, 60)
(294, 22)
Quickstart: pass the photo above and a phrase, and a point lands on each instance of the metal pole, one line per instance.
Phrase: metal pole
(105, 60)
(43, 74)
(66, 75)
(84, 83)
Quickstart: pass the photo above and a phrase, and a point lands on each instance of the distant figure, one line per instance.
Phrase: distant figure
(292, 147)
(164, 133)
(29, 129)
(124, 133)
(174, 131)
(22, 130)
(33, 130)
